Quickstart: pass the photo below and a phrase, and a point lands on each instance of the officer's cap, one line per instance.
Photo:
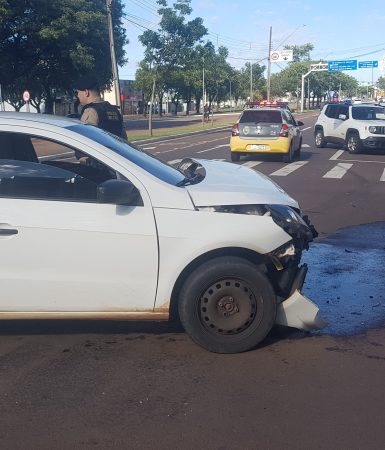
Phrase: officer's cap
(87, 82)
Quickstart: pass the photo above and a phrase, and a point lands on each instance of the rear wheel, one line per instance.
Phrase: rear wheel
(227, 306)
(319, 139)
(288, 158)
(235, 156)
(353, 143)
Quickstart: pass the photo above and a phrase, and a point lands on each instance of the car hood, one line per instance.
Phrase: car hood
(232, 184)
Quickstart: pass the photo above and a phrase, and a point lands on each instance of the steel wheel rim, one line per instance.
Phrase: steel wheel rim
(228, 307)
(352, 143)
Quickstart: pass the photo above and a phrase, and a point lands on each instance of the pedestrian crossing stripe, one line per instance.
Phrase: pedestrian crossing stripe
(289, 169)
(337, 172)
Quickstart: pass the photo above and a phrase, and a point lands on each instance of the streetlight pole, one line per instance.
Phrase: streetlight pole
(114, 66)
(269, 67)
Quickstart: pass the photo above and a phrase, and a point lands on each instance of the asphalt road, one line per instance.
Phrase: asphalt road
(122, 385)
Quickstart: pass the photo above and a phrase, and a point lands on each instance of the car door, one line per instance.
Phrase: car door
(61, 250)
(329, 121)
(340, 124)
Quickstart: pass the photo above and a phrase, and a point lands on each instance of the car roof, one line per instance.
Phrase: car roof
(264, 108)
(60, 121)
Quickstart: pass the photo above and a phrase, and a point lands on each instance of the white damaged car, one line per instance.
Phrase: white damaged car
(92, 227)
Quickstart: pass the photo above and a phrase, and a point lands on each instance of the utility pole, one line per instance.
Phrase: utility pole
(203, 94)
(269, 66)
(114, 66)
(251, 81)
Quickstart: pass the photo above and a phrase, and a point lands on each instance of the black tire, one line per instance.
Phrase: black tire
(298, 151)
(319, 138)
(227, 306)
(288, 158)
(353, 143)
(235, 156)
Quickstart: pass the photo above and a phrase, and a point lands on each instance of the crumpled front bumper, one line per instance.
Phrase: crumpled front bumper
(298, 311)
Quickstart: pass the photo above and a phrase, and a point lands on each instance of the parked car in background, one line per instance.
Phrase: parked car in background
(119, 234)
(266, 130)
(355, 126)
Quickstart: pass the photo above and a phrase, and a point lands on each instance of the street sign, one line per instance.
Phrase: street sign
(281, 56)
(336, 66)
(26, 96)
(367, 64)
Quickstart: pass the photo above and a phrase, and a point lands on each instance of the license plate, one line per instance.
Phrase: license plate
(258, 147)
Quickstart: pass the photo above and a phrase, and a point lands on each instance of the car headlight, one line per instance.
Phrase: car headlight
(256, 210)
(290, 221)
(373, 129)
(284, 216)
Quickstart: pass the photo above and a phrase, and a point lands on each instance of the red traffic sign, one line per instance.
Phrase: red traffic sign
(26, 96)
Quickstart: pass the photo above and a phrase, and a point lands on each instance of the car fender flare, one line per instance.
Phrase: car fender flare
(352, 131)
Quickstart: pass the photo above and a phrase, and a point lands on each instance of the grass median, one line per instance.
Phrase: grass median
(218, 122)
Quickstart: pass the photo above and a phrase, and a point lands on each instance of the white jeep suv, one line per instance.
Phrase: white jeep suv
(354, 126)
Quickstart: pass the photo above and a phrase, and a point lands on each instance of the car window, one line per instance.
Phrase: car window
(36, 168)
(288, 117)
(146, 161)
(343, 109)
(261, 116)
(331, 111)
(368, 112)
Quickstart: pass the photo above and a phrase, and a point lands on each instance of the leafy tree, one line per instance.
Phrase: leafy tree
(381, 83)
(300, 52)
(258, 81)
(171, 49)
(52, 42)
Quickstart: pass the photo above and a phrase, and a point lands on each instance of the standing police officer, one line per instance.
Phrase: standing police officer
(97, 111)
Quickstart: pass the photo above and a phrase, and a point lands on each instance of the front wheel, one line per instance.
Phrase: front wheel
(227, 306)
(298, 151)
(353, 143)
(319, 139)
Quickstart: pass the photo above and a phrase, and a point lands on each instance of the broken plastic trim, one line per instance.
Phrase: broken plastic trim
(299, 312)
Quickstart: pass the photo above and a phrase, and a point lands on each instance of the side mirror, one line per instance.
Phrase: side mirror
(342, 116)
(299, 123)
(119, 192)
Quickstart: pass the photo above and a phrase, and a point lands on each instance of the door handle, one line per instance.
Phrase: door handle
(8, 232)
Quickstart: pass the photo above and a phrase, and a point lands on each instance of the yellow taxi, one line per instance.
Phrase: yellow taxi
(266, 130)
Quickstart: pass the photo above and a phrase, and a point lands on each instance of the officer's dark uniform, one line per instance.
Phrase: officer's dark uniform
(101, 113)
(110, 118)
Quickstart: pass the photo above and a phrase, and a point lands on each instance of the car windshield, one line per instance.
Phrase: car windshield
(368, 113)
(146, 161)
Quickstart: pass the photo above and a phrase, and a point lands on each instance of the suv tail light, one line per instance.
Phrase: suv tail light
(284, 130)
(235, 130)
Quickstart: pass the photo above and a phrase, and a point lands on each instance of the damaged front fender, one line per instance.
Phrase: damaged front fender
(299, 312)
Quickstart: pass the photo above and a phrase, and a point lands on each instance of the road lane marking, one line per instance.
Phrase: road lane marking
(383, 176)
(148, 148)
(213, 148)
(338, 171)
(251, 164)
(289, 169)
(336, 155)
(174, 161)
(193, 144)
(305, 145)
(304, 129)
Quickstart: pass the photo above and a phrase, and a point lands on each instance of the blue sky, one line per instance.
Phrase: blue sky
(339, 30)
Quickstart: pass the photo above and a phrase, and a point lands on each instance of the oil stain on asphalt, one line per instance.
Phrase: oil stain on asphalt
(346, 279)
